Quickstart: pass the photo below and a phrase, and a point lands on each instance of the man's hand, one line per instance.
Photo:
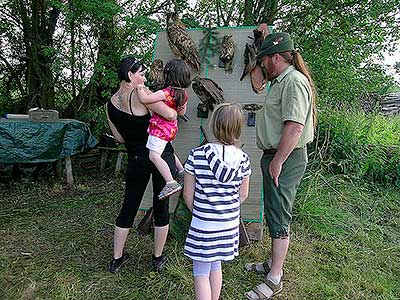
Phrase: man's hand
(264, 29)
(275, 169)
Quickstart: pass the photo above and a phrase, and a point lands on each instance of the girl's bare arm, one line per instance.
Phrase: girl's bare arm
(188, 190)
(244, 189)
(146, 98)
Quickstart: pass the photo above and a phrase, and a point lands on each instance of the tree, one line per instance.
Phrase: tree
(36, 20)
(63, 54)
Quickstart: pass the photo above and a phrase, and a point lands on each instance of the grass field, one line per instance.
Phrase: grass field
(56, 242)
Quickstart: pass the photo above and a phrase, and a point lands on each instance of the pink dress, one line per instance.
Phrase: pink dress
(161, 127)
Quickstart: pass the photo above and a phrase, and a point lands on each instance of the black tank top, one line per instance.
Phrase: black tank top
(132, 128)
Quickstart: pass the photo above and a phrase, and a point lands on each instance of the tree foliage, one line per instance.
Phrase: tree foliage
(63, 53)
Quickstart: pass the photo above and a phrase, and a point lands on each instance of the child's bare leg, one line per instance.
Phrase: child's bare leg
(202, 287)
(216, 283)
(161, 165)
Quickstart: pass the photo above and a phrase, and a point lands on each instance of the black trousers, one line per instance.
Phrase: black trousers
(137, 177)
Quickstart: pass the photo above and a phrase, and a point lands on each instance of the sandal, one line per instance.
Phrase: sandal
(260, 292)
(169, 189)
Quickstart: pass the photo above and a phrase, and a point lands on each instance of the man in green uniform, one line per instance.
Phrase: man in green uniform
(285, 125)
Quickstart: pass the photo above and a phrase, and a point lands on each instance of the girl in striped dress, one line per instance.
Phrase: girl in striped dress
(216, 183)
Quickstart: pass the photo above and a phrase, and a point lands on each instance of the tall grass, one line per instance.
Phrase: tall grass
(359, 145)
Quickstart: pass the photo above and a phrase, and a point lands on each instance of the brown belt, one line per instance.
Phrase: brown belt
(270, 151)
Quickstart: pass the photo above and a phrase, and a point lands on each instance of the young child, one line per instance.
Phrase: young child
(161, 131)
(216, 183)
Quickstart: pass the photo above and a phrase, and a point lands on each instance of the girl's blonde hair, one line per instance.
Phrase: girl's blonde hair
(226, 123)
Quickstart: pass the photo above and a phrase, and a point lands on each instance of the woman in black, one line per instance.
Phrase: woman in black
(129, 119)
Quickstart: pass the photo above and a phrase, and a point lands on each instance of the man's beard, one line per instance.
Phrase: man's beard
(270, 74)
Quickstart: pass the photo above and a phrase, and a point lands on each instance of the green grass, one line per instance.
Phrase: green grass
(56, 241)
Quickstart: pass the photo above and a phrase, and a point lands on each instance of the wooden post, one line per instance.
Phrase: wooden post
(118, 163)
(244, 239)
(59, 168)
(103, 160)
(68, 170)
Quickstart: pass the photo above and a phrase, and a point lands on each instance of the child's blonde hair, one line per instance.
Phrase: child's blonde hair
(226, 123)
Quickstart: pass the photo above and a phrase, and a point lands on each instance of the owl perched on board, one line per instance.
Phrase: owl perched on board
(156, 75)
(208, 91)
(180, 42)
(227, 53)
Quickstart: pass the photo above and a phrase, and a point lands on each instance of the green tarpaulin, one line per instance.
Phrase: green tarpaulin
(23, 141)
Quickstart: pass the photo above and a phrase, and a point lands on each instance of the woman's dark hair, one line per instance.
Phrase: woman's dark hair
(128, 63)
(177, 77)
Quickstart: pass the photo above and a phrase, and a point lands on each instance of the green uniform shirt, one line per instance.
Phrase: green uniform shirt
(289, 99)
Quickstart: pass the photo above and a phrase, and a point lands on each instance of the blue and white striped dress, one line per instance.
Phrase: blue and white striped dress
(214, 229)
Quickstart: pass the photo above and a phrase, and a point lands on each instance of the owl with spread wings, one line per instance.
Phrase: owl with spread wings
(250, 62)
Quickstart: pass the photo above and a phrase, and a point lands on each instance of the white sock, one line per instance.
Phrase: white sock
(274, 280)
(170, 182)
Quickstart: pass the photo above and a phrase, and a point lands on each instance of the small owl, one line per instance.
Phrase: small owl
(227, 53)
(208, 91)
(156, 75)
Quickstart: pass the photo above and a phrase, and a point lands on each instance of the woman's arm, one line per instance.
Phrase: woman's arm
(114, 130)
(244, 189)
(146, 98)
(188, 190)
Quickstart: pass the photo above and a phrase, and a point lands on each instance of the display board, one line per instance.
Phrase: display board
(189, 135)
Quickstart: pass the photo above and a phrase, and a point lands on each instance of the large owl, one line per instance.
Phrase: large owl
(180, 41)
(156, 75)
(208, 91)
(227, 53)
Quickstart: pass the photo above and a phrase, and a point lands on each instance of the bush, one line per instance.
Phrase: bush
(359, 145)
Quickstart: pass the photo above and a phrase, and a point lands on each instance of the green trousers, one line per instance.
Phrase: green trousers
(278, 201)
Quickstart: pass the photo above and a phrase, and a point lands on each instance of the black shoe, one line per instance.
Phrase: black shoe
(116, 264)
(157, 263)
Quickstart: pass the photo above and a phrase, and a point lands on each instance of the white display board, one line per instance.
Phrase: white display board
(189, 135)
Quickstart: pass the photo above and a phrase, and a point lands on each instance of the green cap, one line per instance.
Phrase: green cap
(276, 42)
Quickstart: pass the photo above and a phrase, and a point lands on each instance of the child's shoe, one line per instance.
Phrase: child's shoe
(169, 189)
(180, 176)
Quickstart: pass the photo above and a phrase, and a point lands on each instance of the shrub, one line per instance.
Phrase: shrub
(359, 145)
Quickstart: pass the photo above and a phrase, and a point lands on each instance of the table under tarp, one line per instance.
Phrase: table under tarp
(24, 141)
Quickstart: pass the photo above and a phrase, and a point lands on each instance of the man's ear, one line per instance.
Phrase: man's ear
(276, 57)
